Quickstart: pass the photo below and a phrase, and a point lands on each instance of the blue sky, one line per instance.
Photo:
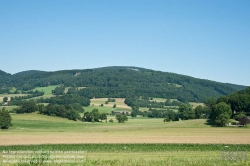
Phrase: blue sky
(208, 39)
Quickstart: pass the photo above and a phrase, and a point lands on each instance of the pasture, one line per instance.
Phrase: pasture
(47, 90)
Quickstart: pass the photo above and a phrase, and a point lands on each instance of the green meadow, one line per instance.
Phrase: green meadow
(47, 90)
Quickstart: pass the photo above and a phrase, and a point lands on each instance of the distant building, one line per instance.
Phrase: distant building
(121, 112)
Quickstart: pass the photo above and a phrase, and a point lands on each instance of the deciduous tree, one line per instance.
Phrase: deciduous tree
(5, 99)
(244, 120)
(5, 119)
(221, 113)
(121, 118)
(186, 112)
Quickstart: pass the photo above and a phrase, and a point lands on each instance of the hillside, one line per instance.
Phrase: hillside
(124, 81)
(239, 101)
(4, 77)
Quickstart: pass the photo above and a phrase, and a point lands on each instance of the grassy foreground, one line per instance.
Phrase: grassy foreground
(148, 154)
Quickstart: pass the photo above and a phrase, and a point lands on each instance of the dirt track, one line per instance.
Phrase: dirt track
(74, 138)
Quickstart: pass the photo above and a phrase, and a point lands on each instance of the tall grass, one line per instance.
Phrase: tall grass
(130, 147)
(140, 154)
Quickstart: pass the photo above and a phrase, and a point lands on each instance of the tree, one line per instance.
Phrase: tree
(87, 117)
(221, 113)
(135, 111)
(222, 119)
(121, 118)
(5, 99)
(5, 119)
(26, 107)
(114, 106)
(72, 115)
(166, 119)
(59, 90)
(209, 103)
(103, 116)
(244, 120)
(238, 116)
(133, 114)
(198, 112)
(94, 116)
(186, 112)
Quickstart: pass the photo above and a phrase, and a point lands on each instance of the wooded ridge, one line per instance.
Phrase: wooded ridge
(121, 82)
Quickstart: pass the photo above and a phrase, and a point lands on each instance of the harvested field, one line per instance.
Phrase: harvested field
(194, 136)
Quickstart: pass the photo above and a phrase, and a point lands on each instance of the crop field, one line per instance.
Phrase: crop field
(148, 154)
(139, 141)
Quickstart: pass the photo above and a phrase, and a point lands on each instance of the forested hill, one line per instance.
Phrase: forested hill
(4, 78)
(123, 82)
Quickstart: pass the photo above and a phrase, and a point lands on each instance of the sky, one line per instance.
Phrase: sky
(208, 39)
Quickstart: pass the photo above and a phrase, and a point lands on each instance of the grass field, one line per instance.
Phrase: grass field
(47, 93)
(47, 90)
(8, 107)
(159, 99)
(149, 159)
(41, 129)
(119, 102)
(196, 104)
